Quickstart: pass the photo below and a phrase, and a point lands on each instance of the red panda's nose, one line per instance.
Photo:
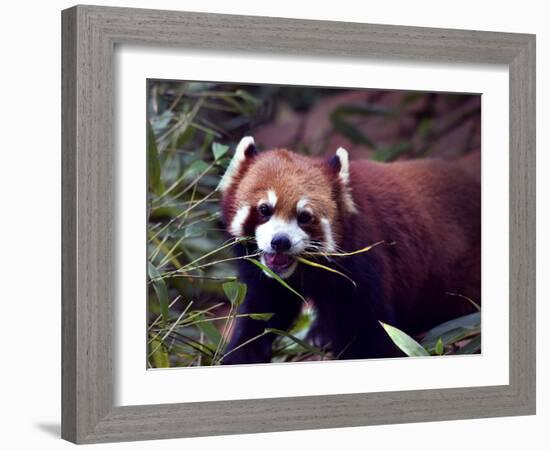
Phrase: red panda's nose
(280, 242)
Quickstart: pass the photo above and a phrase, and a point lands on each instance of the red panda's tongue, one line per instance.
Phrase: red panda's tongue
(277, 259)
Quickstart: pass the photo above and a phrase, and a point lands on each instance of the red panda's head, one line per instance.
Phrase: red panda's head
(287, 202)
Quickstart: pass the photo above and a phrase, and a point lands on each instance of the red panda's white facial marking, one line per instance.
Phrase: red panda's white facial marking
(330, 245)
(277, 226)
(302, 205)
(304, 211)
(272, 198)
(237, 224)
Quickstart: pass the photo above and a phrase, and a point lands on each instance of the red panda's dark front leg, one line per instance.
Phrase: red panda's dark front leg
(248, 342)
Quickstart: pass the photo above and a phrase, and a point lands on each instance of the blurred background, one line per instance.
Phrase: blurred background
(192, 129)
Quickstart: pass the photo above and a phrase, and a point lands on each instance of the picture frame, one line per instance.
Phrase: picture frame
(89, 37)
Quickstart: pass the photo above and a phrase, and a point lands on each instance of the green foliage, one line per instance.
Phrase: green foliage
(405, 343)
(153, 164)
(277, 278)
(261, 316)
(193, 294)
(439, 347)
(472, 346)
(453, 331)
(219, 150)
(310, 348)
(343, 121)
(391, 152)
(444, 338)
(310, 263)
(235, 292)
(160, 355)
(287, 349)
(161, 290)
(209, 330)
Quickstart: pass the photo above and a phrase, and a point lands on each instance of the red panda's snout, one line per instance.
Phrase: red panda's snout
(280, 236)
(286, 202)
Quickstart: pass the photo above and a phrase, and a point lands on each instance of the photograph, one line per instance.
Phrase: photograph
(301, 223)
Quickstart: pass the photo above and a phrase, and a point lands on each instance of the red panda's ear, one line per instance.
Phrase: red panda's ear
(339, 163)
(246, 148)
(343, 157)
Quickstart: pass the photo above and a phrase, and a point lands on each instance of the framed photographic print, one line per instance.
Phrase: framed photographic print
(277, 224)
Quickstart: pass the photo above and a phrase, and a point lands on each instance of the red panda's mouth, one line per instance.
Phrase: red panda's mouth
(278, 262)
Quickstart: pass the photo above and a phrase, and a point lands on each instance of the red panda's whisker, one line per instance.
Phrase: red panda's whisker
(352, 253)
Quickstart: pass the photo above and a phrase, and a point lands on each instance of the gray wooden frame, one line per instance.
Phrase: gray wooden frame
(90, 34)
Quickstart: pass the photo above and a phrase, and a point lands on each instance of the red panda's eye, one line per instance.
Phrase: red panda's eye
(265, 210)
(304, 218)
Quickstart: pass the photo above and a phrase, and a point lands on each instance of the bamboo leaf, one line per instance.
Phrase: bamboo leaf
(159, 355)
(439, 347)
(235, 292)
(298, 341)
(353, 253)
(210, 331)
(248, 97)
(350, 131)
(153, 163)
(471, 347)
(453, 331)
(329, 269)
(474, 304)
(160, 123)
(276, 277)
(362, 109)
(261, 316)
(161, 290)
(218, 150)
(196, 168)
(391, 152)
(404, 342)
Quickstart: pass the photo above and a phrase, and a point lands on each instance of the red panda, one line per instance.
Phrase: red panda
(289, 204)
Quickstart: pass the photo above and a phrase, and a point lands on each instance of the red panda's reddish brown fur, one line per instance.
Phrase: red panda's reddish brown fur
(430, 210)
